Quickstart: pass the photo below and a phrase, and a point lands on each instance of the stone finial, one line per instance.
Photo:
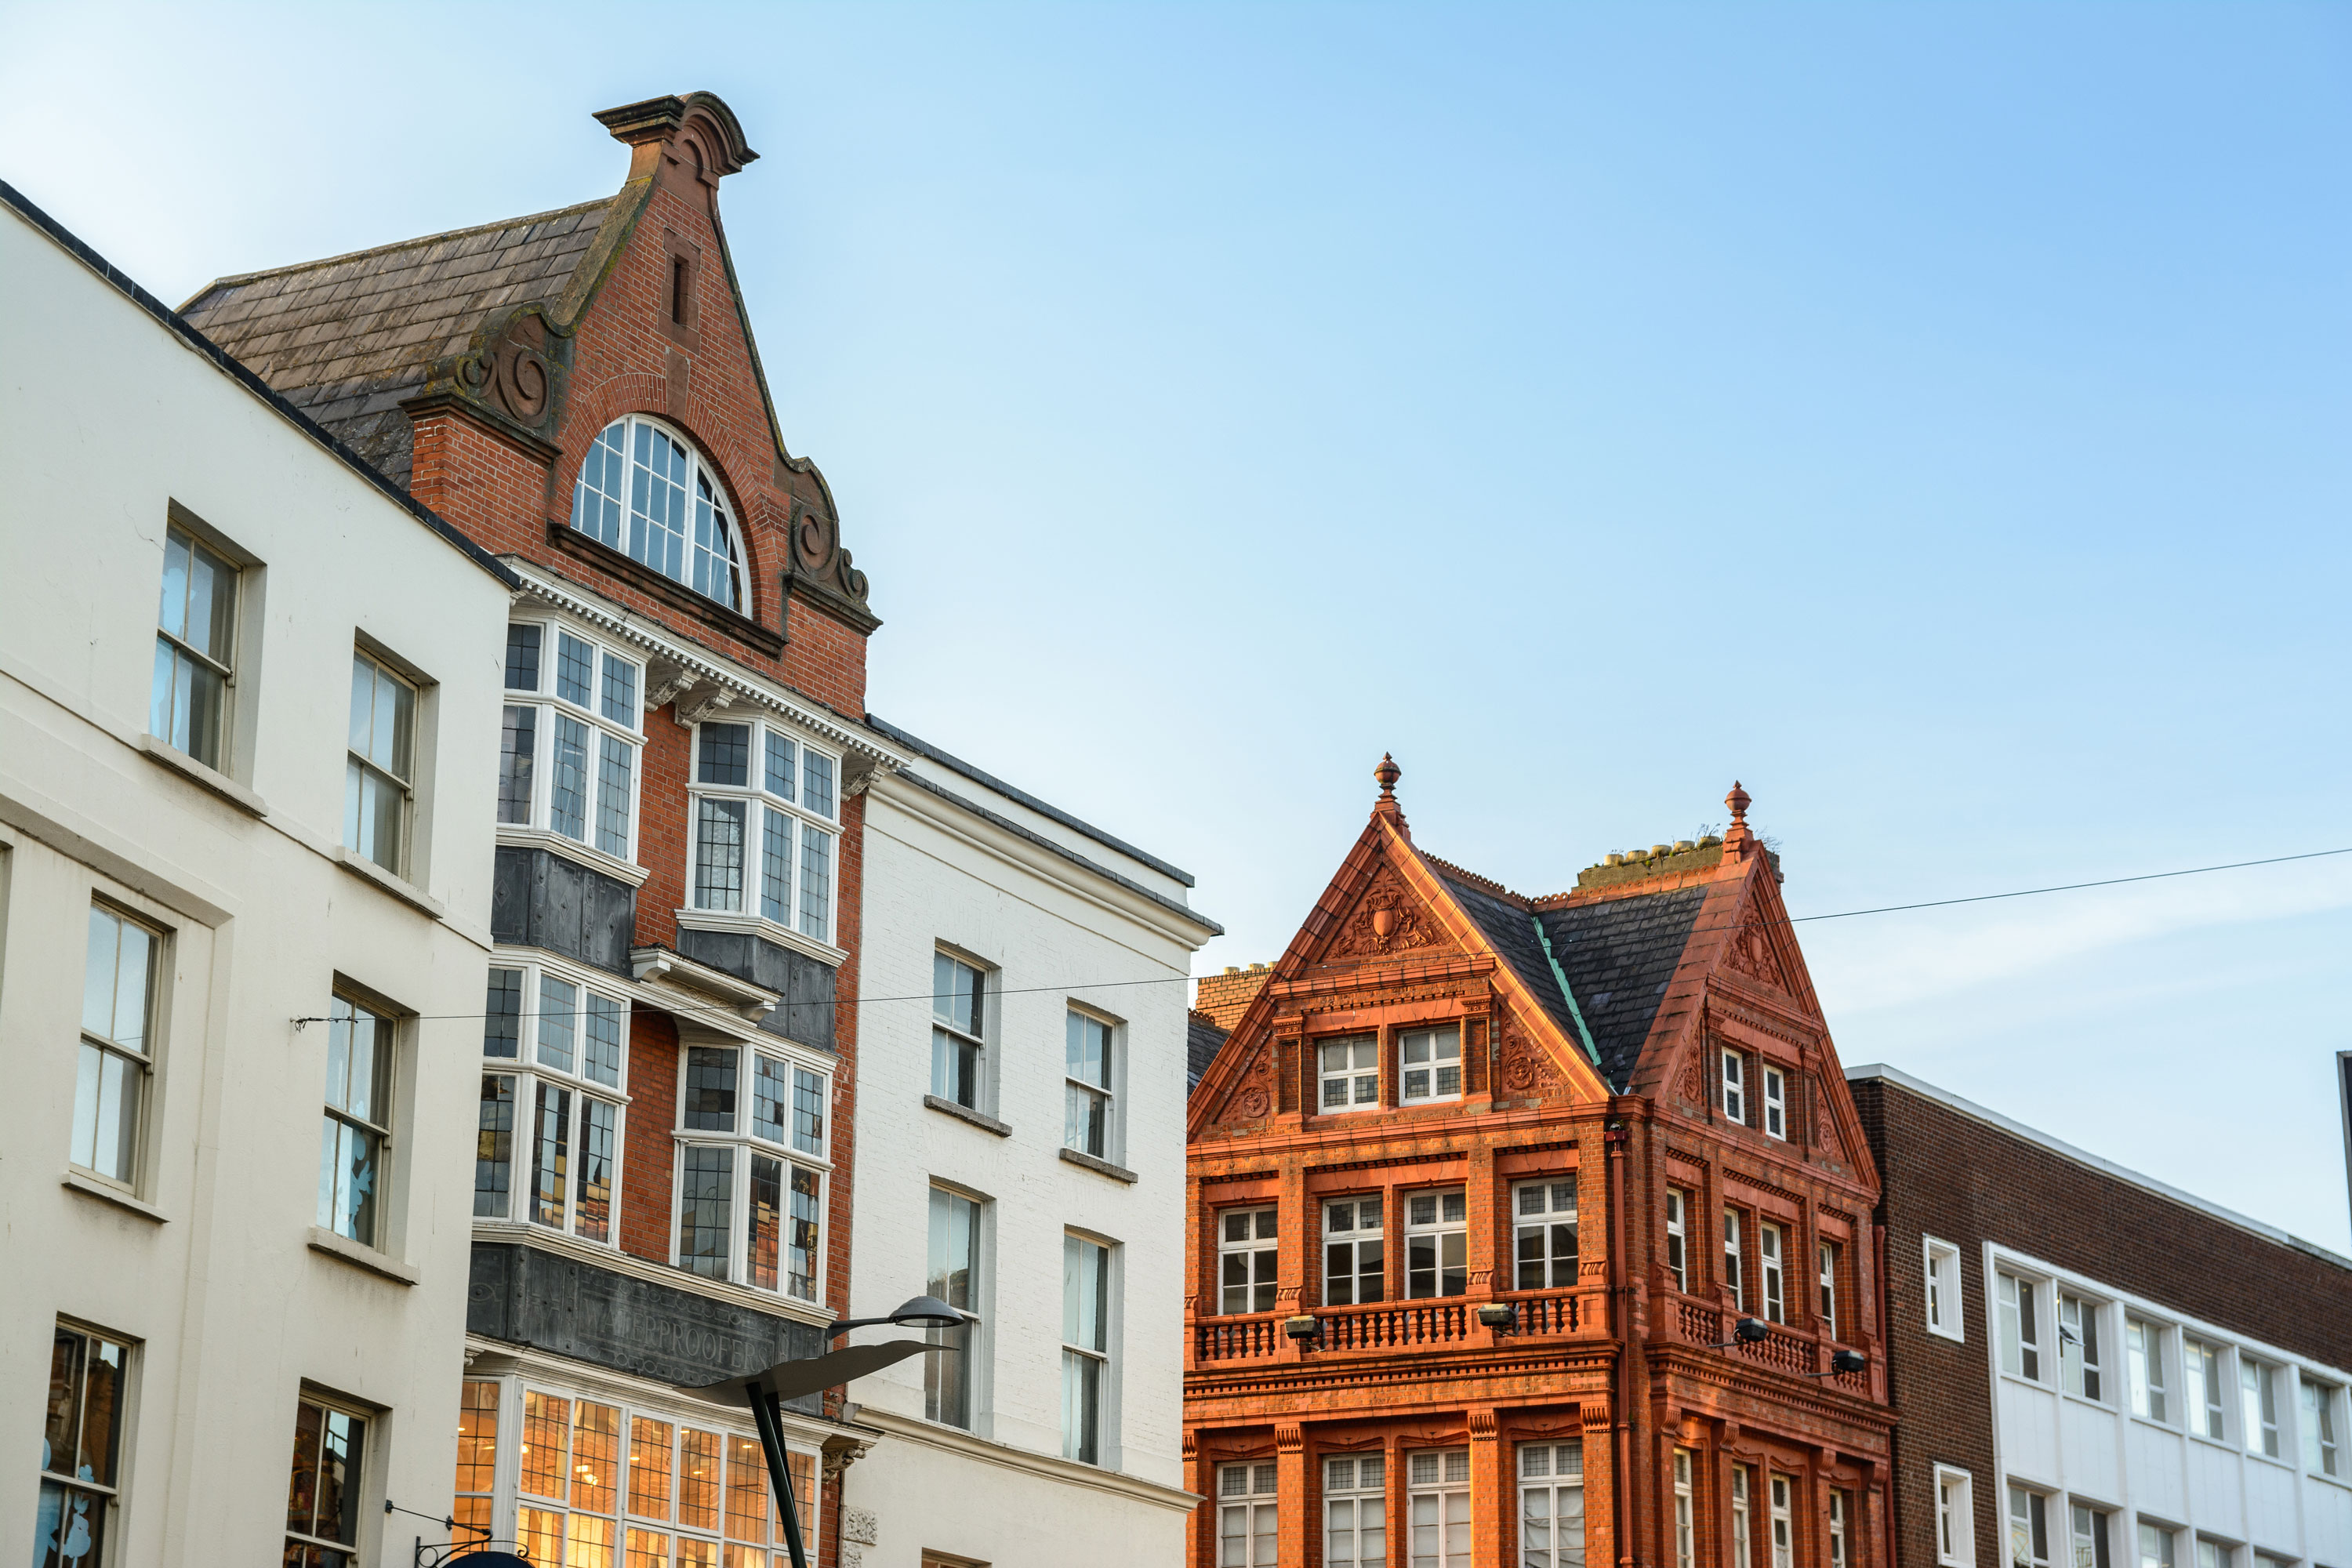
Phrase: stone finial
(1738, 800)
(1388, 772)
(1737, 837)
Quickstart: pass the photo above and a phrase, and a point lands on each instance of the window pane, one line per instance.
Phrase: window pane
(494, 1147)
(501, 1024)
(600, 1056)
(1086, 1284)
(954, 1248)
(575, 669)
(546, 1445)
(768, 1098)
(776, 866)
(567, 784)
(518, 742)
(698, 1480)
(614, 778)
(212, 602)
(765, 1219)
(649, 1461)
(710, 1089)
(551, 1157)
(816, 779)
(558, 1004)
(1088, 1050)
(816, 883)
(783, 765)
(706, 1197)
(808, 1111)
(620, 691)
(747, 1490)
(725, 754)
(522, 658)
(477, 1437)
(596, 1457)
(800, 1241)
(593, 1206)
(718, 854)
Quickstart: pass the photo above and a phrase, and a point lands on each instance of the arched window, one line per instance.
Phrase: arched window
(643, 490)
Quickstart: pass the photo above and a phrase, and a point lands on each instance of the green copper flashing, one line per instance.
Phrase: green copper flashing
(1562, 975)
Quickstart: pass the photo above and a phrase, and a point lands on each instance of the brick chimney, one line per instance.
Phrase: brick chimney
(1225, 997)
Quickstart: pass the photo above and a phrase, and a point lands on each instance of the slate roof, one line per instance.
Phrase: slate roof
(1203, 1041)
(345, 339)
(1619, 955)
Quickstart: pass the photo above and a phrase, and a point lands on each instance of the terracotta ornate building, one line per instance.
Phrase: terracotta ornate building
(664, 1155)
(1480, 1185)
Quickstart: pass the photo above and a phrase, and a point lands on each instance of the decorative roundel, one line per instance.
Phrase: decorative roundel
(814, 537)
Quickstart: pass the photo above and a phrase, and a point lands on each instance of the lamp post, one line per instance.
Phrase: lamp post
(767, 1390)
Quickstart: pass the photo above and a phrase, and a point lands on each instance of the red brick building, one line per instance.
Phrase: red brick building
(664, 1160)
(1480, 1185)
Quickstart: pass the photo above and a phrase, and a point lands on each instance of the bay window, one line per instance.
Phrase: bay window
(763, 827)
(559, 1084)
(570, 743)
(753, 1157)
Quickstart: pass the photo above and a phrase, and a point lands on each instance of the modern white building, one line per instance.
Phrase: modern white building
(249, 699)
(1021, 1111)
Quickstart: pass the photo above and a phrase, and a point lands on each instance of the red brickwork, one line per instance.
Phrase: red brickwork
(1224, 998)
(649, 1160)
(1619, 1361)
(1965, 1181)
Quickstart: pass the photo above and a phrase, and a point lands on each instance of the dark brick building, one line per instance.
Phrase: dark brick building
(1481, 1186)
(664, 1158)
(2089, 1367)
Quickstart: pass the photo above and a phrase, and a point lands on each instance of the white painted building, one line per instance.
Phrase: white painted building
(245, 863)
(1021, 1111)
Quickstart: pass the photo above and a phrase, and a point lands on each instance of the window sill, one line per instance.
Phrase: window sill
(342, 1248)
(775, 931)
(596, 860)
(93, 1187)
(196, 772)
(1957, 1337)
(966, 1113)
(1099, 1166)
(367, 871)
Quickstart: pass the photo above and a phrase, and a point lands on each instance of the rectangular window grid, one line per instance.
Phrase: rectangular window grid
(1245, 1260)
(1355, 1256)
(1543, 1234)
(115, 1056)
(1435, 1245)
(1355, 1511)
(1437, 1506)
(81, 1446)
(959, 1018)
(1551, 1505)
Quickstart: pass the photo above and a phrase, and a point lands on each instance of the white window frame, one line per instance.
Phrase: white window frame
(534, 1067)
(2213, 1554)
(101, 1054)
(1734, 1273)
(1086, 1434)
(1827, 1254)
(2317, 1433)
(1344, 1233)
(545, 704)
(2258, 1407)
(2204, 1370)
(1743, 1533)
(366, 762)
(1434, 1039)
(1733, 1071)
(758, 806)
(1541, 1224)
(949, 1038)
(1436, 1233)
(1779, 1491)
(2020, 1306)
(1839, 1523)
(1771, 1267)
(386, 1094)
(615, 524)
(366, 1422)
(2090, 1531)
(1955, 1520)
(1090, 1109)
(164, 704)
(2167, 1539)
(1355, 1510)
(2028, 1517)
(99, 1498)
(965, 1340)
(748, 1145)
(1247, 1495)
(2082, 1347)
(1362, 1071)
(1685, 1515)
(1260, 1246)
(1943, 1291)
(2145, 1342)
(1776, 1102)
(1439, 1489)
(1678, 1238)
(1551, 1517)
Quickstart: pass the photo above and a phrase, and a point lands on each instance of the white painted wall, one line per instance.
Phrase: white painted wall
(1053, 932)
(2100, 1453)
(107, 420)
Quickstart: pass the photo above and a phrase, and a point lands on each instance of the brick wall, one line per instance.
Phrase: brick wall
(1225, 997)
(1964, 1180)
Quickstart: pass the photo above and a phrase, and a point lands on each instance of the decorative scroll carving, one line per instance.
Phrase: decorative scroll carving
(819, 564)
(1387, 920)
(1691, 1083)
(1826, 1136)
(1523, 1069)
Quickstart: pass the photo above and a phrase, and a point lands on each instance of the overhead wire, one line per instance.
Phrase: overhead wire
(736, 1014)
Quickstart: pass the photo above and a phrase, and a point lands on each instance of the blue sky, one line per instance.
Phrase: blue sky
(1933, 415)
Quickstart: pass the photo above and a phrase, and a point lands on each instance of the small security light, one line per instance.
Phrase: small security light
(1498, 1315)
(1747, 1331)
(1301, 1327)
(1841, 1362)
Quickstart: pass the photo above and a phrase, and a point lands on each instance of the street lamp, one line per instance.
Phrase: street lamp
(1747, 1331)
(766, 1391)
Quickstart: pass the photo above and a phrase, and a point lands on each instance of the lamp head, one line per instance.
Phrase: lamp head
(1497, 1314)
(1750, 1330)
(926, 1312)
(1305, 1326)
(1849, 1361)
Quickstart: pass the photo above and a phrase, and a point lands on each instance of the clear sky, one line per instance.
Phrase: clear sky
(1933, 415)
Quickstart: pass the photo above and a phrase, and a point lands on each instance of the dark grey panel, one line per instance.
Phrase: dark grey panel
(523, 1296)
(805, 984)
(540, 898)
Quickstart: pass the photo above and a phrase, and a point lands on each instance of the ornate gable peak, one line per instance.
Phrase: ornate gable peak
(697, 136)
